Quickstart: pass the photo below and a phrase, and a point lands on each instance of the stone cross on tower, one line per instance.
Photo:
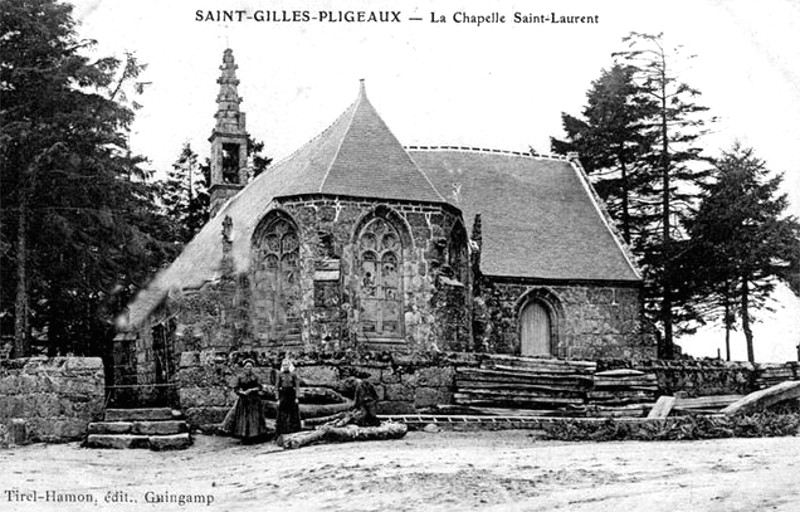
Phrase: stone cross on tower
(228, 139)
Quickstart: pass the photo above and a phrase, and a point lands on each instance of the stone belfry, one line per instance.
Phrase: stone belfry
(228, 139)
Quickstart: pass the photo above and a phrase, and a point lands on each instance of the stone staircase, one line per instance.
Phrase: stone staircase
(157, 429)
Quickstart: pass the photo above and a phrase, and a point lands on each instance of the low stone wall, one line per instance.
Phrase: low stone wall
(701, 377)
(52, 399)
(404, 383)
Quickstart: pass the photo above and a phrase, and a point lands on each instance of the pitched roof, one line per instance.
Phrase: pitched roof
(539, 216)
(355, 156)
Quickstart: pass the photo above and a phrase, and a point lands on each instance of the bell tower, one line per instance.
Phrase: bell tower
(228, 139)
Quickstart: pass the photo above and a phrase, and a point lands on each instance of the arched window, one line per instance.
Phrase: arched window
(276, 281)
(380, 284)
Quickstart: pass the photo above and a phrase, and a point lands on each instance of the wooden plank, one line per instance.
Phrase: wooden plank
(663, 406)
(764, 398)
(519, 374)
(620, 373)
(476, 382)
(541, 361)
(561, 370)
(501, 411)
(464, 386)
(521, 393)
(707, 402)
(490, 400)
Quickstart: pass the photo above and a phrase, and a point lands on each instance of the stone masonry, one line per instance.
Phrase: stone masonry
(52, 400)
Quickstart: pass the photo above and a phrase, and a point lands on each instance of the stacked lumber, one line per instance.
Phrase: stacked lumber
(769, 375)
(623, 387)
(503, 382)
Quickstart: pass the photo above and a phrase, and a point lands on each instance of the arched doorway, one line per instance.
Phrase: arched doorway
(536, 328)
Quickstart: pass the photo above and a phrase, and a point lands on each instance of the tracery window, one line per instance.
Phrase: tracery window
(276, 283)
(380, 280)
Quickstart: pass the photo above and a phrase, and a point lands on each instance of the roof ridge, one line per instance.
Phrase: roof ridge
(361, 97)
(473, 149)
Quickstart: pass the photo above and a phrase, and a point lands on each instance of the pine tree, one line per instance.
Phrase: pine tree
(611, 141)
(78, 227)
(742, 241)
(676, 126)
(185, 195)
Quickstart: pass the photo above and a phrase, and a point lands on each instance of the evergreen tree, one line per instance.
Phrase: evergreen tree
(675, 127)
(611, 140)
(78, 227)
(742, 241)
(185, 195)
(255, 150)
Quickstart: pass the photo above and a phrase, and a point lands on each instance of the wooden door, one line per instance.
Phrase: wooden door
(535, 330)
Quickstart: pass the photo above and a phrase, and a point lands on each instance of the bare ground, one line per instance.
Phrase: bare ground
(506, 470)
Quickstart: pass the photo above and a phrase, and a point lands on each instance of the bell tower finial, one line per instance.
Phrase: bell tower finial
(228, 139)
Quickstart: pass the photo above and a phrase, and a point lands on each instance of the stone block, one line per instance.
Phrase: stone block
(323, 376)
(427, 397)
(116, 441)
(159, 428)
(390, 376)
(66, 429)
(153, 414)
(197, 416)
(84, 364)
(189, 359)
(173, 442)
(433, 376)
(395, 408)
(206, 396)
(3, 437)
(399, 392)
(110, 427)
(17, 431)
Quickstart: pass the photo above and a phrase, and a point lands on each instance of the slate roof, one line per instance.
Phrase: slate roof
(539, 217)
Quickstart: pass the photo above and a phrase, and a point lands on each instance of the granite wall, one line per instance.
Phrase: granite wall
(323, 301)
(53, 399)
(404, 383)
(588, 321)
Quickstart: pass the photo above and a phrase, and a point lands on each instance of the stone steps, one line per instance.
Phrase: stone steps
(157, 429)
(147, 428)
(154, 414)
(126, 441)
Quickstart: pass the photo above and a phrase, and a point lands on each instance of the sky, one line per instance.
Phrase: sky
(497, 85)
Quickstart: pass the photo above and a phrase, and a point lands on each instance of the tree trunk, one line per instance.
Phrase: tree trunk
(666, 277)
(748, 333)
(626, 217)
(387, 430)
(21, 347)
(727, 329)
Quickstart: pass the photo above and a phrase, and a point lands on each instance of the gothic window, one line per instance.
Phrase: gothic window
(276, 284)
(380, 280)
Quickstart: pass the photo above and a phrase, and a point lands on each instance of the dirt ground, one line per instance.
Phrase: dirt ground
(445, 471)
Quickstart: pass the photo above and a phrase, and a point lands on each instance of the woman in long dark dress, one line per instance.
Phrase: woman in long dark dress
(288, 419)
(246, 419)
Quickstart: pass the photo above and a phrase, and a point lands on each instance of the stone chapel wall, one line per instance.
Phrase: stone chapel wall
(435, 305)
(592, 321)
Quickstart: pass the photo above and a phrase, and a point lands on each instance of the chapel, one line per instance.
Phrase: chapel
(356, 242)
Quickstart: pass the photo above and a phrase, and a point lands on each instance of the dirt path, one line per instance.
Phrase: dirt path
(500, 471)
